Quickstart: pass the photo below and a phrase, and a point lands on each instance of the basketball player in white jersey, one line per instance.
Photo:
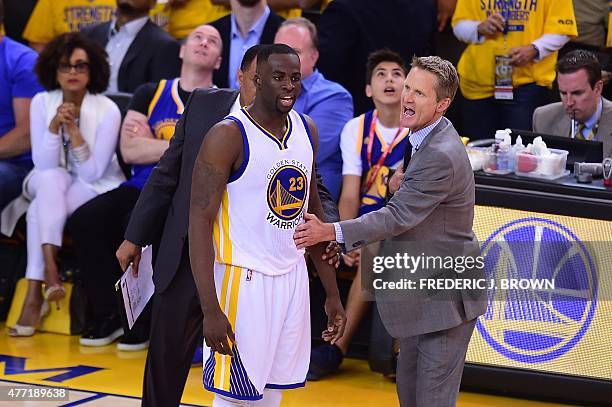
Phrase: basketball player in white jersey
(252, 183)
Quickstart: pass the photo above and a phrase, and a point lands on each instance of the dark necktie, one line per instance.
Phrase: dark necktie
(407, 155)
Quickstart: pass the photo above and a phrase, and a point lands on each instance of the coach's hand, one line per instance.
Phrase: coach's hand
(336, 319)
(129, 253)
(313, 231)
(216, 330)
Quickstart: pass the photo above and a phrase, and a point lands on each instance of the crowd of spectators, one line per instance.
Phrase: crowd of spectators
(60, 130)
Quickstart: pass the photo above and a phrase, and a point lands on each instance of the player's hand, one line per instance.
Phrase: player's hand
(352, 259)
(396, 179)
(313, 231)
(492, 25)
(128, 253)
(336, 320)
(332, 254)
(216, 330)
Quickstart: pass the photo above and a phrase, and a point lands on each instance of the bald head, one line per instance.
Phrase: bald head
(301, 35)
(203, 47)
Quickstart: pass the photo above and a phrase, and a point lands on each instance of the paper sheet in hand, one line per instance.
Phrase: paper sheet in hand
(136, 291)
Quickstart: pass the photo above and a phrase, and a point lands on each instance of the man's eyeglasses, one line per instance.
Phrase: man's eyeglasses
(79, 67)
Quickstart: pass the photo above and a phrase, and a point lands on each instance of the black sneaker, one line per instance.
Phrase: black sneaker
(103, 332)
(134, 340)
(324, 360)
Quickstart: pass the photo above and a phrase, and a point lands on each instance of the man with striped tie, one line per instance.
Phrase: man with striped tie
(580, 86)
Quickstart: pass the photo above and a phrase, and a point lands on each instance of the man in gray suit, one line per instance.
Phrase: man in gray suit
(434, 203)
(580, 86)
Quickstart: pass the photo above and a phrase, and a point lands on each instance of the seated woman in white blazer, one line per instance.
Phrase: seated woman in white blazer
(74, 132)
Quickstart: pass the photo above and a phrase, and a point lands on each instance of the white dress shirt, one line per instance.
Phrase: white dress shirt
(119, 42)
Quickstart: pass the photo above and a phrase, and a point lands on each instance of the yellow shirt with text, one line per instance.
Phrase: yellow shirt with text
(51, 18)
(528, 20)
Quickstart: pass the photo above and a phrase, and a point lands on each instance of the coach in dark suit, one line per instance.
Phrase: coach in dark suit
(152, 54)
(434, 203)
(251, 22)
(163, 208)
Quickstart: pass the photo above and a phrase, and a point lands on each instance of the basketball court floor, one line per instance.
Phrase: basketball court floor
(106, 377)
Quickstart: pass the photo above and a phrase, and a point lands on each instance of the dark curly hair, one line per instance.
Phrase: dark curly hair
(60, 49)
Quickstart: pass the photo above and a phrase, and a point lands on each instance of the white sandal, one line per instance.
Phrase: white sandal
(25, 330)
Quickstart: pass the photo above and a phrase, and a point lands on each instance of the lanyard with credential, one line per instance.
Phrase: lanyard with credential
(382, 158)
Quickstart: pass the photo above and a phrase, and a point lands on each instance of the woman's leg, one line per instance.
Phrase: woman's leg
(36, 266)
(77, 194)
(51, 188)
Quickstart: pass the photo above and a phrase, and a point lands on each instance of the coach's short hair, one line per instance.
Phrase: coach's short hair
(448, 80)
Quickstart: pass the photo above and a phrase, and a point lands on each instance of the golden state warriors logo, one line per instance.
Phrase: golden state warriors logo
(164, 130)
(287, 191)
(536, 326)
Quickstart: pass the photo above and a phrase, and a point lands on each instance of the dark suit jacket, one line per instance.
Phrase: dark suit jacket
(349, 30)
(224, 25)
(152, 56)
(434, 205)
(166, 195)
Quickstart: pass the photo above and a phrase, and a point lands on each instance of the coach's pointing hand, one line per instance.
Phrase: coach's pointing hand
(313, 231)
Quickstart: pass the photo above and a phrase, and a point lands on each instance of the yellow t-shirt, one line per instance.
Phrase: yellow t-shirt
(528, 20)
(182, 20)
(53, 17)
(291, 13)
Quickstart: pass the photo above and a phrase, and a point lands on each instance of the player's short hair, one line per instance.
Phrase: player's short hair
(273, 49)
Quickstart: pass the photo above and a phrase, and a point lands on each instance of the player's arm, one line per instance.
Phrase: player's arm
(218, 156)
(336, 318)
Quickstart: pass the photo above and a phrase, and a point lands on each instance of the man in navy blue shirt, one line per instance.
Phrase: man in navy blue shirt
(326, 102)
(19, 85)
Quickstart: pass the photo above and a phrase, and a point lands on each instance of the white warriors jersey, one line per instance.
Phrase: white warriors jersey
(265, 198)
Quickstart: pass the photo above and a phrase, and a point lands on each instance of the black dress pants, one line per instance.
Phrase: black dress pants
(97, 229)
(176, 330)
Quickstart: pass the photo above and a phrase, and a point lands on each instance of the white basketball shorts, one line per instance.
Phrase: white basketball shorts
(270, 316)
